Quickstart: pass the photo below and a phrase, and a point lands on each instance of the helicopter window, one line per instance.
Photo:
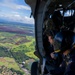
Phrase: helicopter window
(67, 13)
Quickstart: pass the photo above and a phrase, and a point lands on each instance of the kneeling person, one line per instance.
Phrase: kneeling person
(64, 42)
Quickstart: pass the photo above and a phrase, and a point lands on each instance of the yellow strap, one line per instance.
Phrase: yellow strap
(56, 51)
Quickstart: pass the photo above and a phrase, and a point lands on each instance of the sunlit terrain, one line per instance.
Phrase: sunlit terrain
(17, 44)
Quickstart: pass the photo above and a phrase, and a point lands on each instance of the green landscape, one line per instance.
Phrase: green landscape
(17, 45)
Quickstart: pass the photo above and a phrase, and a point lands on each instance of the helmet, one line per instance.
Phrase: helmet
(63, 41)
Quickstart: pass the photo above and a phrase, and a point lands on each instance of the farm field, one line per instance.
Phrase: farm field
(17, 44)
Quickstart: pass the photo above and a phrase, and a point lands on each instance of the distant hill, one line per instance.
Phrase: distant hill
(2, 20)
(15, 23)
(16, 27)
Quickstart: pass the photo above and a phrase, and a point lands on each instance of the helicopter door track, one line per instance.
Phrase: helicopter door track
(43, 65)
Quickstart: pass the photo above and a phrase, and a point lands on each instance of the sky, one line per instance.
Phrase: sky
(15, 11)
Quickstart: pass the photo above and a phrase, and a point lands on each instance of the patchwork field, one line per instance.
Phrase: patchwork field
(17, 44)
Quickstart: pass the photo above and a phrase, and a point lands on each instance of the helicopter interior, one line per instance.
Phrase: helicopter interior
(62, 19)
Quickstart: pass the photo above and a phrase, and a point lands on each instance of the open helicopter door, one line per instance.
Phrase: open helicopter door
(42, 10)
(37, 7)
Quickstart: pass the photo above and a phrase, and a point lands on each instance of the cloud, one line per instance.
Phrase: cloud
(29, 20)
(23, 7)
(17, 18)
(13, 12)
(13, 5)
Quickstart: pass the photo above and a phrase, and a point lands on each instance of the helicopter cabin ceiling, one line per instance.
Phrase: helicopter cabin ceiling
(67, 4)
(64, 3)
